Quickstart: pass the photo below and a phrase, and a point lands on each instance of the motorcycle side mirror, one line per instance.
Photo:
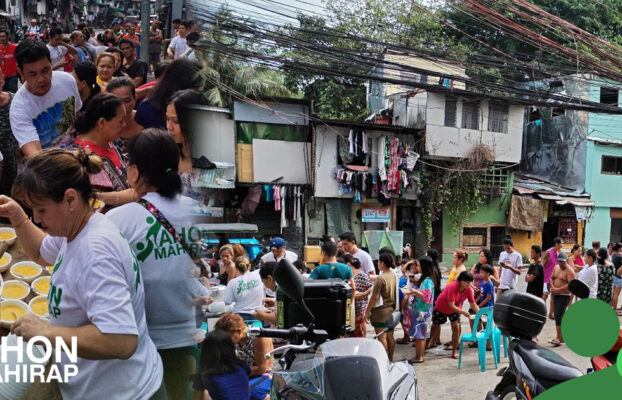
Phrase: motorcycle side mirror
(289, 280)
(579, 289)
(393, 320)
(291, 284)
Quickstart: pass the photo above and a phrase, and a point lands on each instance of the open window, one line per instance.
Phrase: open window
(498, 118)
(609, 96)
(611, 165)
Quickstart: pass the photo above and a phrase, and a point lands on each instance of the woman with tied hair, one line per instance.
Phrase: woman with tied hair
(97, 127)
(85, 74)
(105, 63)
(228, 269)
(154, 225)
(96, 290)
(246, 290)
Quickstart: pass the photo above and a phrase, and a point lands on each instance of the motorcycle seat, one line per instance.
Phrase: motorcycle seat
(546, 365)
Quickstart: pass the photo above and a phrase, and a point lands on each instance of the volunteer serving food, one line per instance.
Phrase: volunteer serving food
(96, 291)
(154, 227)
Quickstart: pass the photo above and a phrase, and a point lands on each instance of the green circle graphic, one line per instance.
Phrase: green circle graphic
(619, 363)
(590, 327)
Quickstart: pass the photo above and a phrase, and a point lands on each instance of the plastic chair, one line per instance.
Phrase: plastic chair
(496, 333)
(481, 338)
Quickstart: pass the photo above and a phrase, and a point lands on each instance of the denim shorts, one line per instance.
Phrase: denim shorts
(617, 282)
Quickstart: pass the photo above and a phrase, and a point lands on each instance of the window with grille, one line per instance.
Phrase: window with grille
(474, 237)
(451, 104)
(498, 118)
(567, 228)
(611, 165)
(496, 178)
(470, 114)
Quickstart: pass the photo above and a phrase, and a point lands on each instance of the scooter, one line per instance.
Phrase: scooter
(313, 367)
(533, 369)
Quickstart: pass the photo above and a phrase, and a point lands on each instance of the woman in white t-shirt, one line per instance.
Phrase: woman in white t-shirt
(96, 291)
(172, 290)
(246, 290)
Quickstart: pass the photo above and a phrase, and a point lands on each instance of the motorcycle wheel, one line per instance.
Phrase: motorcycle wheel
(509, 393)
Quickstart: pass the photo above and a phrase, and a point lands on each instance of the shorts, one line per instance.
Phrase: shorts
(547, 289)
(561, 304)
(617, 282)
(379, 325)
(154, 57)
(260, 387)
(439, 318)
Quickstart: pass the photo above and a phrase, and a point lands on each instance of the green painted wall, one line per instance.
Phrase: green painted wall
(491, 213)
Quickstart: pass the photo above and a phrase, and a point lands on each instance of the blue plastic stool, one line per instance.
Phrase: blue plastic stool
(497, 342)
(481, 338)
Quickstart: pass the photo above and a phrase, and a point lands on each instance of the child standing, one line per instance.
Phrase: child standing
(487, 294)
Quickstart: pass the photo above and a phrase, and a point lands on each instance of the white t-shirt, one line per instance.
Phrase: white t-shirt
(167, 270)
(508, 278)
(589, 276)
(179, 46)
(289, 256)
(367, 264)
(96, 280)
(57, 53)
(44, 118)
(246, 291)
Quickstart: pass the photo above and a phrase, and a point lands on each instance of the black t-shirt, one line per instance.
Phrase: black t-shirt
(616, 260)
(138, 69)
(537, 286)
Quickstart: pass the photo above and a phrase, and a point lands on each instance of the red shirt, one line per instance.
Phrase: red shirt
(579, 261)
(452, 293)
(109, 153)
(7, 60)
(68, 67)
(133, 38)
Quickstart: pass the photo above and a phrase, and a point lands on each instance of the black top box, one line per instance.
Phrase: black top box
(519, 314)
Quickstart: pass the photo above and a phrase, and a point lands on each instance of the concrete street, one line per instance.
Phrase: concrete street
(440, 378)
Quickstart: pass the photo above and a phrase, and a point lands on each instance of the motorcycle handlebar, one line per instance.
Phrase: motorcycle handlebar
(296, 334)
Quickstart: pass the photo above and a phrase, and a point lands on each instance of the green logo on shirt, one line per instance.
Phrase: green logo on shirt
(158, 241)
(55, 294)
(244, 286)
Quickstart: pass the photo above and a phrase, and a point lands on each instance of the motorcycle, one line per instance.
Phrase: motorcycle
(312, 367)
(534, 369)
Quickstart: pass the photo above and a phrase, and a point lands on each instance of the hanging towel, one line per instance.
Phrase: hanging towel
(277, 198)
(381, 151)
(283, 205)
(299, 208)
(351, 139)
(365, 146)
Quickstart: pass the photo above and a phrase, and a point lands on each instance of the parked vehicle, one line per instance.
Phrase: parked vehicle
(533, 369)
(313, 367)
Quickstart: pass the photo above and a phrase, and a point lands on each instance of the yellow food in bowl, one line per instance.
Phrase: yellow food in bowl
(6, 312)
(25, 270)
(7, 235)
(39, 307)
(42, 286)
(5, 259)
(13, 291)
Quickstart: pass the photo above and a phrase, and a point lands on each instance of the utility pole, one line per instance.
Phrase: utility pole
(144, 30)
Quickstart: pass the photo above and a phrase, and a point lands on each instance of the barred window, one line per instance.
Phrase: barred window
(470, 114)
(451, 103)
(498, 118)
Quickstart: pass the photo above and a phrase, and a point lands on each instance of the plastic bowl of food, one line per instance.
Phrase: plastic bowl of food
(15, 290)
(48, 269)
(97, 204)
(8, 235)
(39, 306)
(9, 309)
(5, 262)
(41, 286)
(26, 271)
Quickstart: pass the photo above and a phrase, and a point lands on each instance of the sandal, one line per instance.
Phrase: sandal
(555, 342)
(411, 361)
(403, 341)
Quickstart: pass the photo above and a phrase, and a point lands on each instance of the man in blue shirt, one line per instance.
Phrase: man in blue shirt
(331, 269)
(487, 296)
